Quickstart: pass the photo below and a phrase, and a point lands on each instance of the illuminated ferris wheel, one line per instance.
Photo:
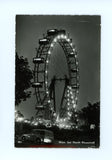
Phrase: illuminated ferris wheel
(45, 87)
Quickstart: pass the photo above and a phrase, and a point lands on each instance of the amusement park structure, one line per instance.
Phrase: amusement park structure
(45, 87)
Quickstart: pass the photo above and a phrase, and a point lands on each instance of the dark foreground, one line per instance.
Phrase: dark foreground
(64, 138)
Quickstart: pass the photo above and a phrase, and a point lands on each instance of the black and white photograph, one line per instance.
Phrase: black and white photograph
(57, 81)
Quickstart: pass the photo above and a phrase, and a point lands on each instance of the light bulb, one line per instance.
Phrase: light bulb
(73, 101)
(51, 44)
(49, 52)
(72, 97)
(46, 82)
(55, 40)
(47, 61)
(65, 37)
(58, 37)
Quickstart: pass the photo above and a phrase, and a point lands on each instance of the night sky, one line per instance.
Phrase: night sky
(85, 34)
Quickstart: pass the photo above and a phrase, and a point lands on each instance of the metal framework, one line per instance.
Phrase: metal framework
(44, 90)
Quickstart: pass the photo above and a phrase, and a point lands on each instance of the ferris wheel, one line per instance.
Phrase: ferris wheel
(45, 87)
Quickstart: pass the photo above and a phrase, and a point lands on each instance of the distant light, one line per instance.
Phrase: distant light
(51, 109)
(76, 98)
(92, 126)
(47, 92)
(69, 87)
(68, 40)
(65, 36)
(46, 71)
(47, 61)
(25, 121)
(19, 119)
(77, 91)
(19, 141)
(49, 52)
(74, 105)
(58, 37)
(36, 123)
(76, 126)
(69, 114)
(49, 101)
(72, 97)
(68, 94)
(73, 101)
(71, 92)
(55, 40)
(54, 114)
(52, 44)
(62, 36)
(71, 44)
(77, 62)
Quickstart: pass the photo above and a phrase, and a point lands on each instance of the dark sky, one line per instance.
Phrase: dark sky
(85, 34)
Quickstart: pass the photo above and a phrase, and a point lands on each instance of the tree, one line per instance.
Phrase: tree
(91, 114)
(23, 79)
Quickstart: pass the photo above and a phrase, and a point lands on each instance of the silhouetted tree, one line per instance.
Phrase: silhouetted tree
(23, 79)
(91, 113)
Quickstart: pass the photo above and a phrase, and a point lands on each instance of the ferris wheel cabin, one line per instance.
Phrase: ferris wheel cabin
(71, 54)
(38, 60)
(52, 32)
(43, 41)
(39, 107)
(75, 87)
(74, 70)
(37, 84)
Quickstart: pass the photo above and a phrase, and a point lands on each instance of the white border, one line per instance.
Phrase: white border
(8, 10)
